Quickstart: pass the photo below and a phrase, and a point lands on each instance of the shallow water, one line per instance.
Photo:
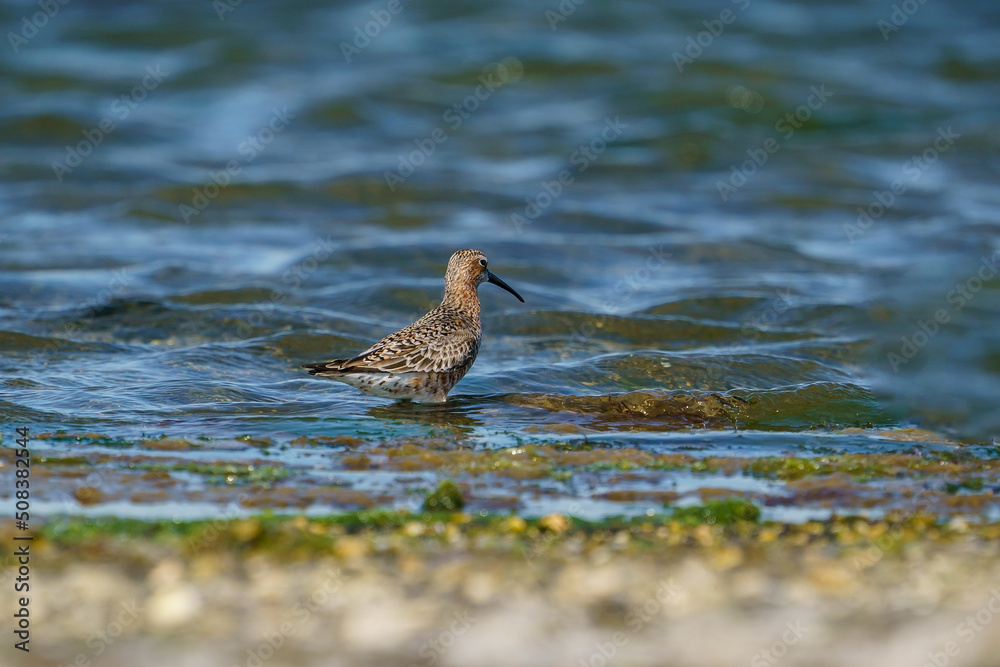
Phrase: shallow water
(138, 296)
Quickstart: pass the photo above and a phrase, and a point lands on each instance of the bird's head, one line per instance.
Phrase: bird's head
(470, 268)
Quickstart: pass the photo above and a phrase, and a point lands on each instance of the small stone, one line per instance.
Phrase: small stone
(172, 607)
(246, 530)
(165, 574)
(514, 524)
(832, 578)
(410, 565)
(726, 558)
(768, 535)
(374, 625)
(479, 588)
(350, 547)
(88, 495)
(557, 523)
(413, 529)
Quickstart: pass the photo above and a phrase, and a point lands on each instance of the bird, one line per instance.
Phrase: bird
(425, 360)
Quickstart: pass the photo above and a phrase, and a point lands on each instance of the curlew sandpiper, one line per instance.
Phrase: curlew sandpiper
(422, 362)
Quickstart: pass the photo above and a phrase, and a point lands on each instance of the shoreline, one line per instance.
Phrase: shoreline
(456, 589)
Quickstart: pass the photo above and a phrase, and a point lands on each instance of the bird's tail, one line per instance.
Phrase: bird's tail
(332, 367)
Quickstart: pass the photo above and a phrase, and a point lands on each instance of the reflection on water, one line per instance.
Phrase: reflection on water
(799, 212)
(456, 418)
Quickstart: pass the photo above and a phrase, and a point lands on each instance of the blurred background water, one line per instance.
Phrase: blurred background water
(794, 203)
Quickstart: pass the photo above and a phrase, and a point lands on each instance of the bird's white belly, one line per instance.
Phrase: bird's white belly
(422, 387)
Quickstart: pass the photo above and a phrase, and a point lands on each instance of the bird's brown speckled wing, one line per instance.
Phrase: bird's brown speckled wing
(434, 343)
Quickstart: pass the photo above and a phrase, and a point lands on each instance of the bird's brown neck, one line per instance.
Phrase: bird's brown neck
(463, 298)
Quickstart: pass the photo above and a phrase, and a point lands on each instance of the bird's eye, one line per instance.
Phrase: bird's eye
(482, 262)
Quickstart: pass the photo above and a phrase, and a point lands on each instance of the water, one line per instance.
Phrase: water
(195, 201)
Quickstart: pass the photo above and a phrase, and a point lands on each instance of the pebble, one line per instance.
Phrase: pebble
(171, 607)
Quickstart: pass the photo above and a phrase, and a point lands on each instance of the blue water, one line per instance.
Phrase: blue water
(800, 210)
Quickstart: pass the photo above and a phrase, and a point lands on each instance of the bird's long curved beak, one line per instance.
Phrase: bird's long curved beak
(499, 283)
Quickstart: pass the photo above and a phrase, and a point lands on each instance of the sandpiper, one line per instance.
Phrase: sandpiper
(423, 361)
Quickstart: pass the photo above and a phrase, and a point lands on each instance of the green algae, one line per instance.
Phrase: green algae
(830, 404)
(623, 465)
(60, 460)
(224, 473)
(96, 439)
(447, 497)
(327, 441)
(256, 441)
(724, 512)
(712, 526)
(617, 472)
(785, 468)
(972, 484)
(866, 467)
